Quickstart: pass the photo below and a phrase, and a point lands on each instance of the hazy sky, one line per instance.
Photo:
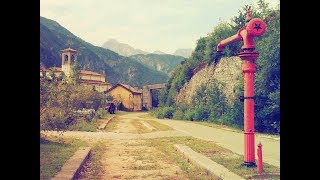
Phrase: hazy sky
(150, 25)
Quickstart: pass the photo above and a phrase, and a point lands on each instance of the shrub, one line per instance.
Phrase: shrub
(168, 112)
(201, 113)
(178, 114)
(189, 115)
(83, 126)
(88, 114)
(101, 113)
(163, 112)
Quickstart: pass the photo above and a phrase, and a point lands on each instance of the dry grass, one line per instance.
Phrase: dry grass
(54, 152)
(139, 126)
(159, 126)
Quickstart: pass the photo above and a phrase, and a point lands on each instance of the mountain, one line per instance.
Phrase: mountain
(122, 48)
(183, 52)
(160, 62)
(118, 69)
(158, 52)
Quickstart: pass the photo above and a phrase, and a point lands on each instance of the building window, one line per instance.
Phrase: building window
(72, 59)
(65, 59)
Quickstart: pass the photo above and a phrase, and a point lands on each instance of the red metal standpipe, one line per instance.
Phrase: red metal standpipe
(260, 163)
(253, 27)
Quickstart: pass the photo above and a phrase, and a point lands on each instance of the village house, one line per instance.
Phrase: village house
(130, 97)
(87, 78)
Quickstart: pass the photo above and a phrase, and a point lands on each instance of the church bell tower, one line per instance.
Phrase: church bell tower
(68, 57)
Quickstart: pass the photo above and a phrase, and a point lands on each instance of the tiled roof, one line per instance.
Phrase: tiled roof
(131, 88)
(93, 82)
(57, 69)
(90, 73)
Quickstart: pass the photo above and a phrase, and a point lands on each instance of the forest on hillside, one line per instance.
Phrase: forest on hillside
(210, 104)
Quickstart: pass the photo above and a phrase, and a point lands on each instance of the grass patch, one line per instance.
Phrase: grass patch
(234, 164)
(139, 126)
(159, 126)
(217, 153)
(93, 169)
(84, 126)
(54, 152)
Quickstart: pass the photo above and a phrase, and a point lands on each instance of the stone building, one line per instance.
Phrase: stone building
(130, 97)
(87, 78)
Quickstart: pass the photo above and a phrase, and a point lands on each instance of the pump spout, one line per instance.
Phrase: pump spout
(223, 43)
(255, 27)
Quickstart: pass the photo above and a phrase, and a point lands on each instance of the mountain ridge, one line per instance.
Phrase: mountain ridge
(122, 48)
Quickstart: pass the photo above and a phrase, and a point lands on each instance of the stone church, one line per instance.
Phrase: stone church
(88, 78)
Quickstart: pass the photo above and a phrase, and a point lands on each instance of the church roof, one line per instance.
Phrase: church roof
(68, 49)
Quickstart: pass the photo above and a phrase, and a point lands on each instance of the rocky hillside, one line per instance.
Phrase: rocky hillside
(122, 48)
(228, 71)
(118, 69)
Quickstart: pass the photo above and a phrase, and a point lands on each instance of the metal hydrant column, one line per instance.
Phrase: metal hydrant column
(249, 68)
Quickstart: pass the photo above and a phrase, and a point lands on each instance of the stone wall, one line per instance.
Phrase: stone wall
(228, 71)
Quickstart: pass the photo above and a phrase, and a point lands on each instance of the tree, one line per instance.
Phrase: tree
(75, 72)
(268, 77)
(59, 101)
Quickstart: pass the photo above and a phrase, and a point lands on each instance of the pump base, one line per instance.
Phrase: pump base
(249, 164)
